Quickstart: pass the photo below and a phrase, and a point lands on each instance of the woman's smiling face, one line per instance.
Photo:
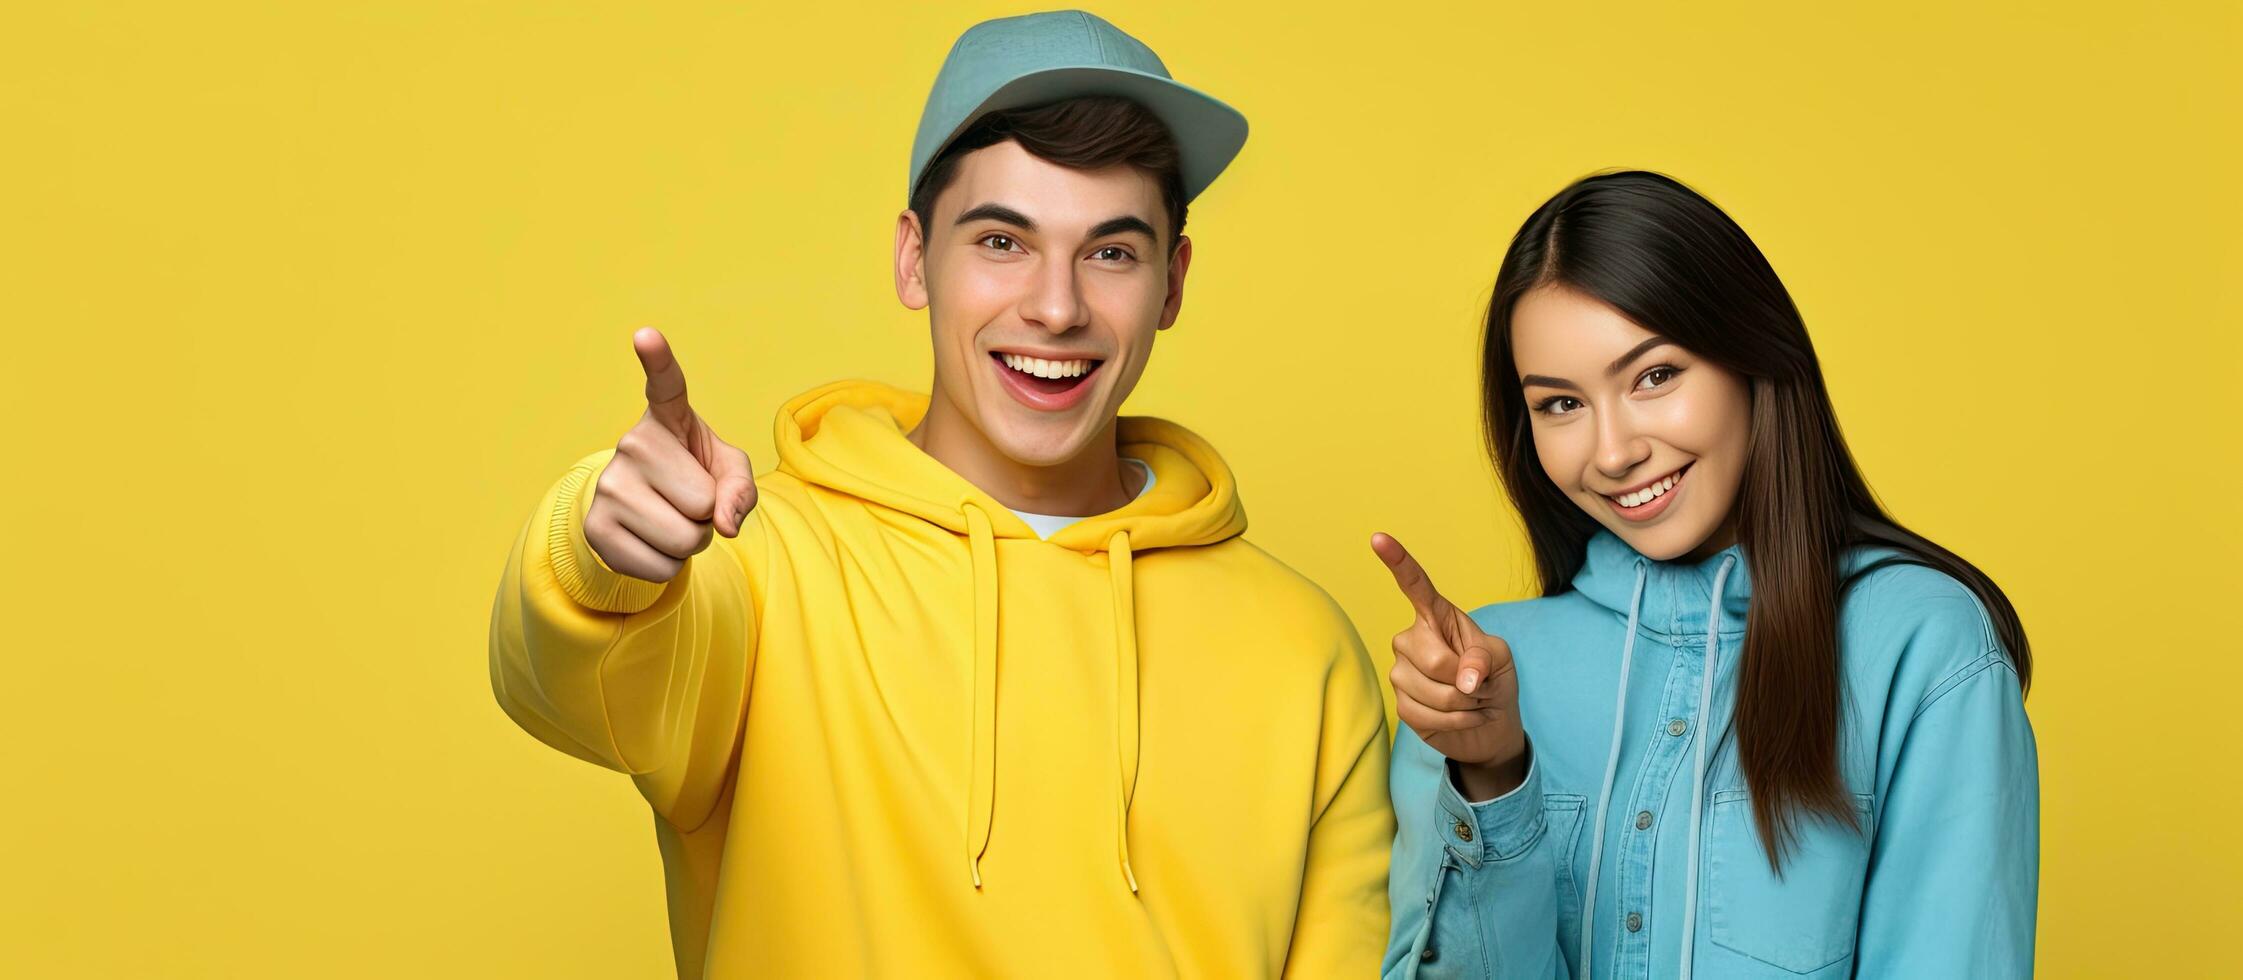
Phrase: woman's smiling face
(1647, 437)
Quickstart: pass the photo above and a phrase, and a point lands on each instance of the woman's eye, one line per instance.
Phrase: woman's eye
(1557, 405)
(1112, 253)
(1002, 243)
(1657, 377)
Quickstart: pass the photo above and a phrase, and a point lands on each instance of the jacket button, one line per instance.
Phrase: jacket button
(1677, 727)
(1463, 831)
(1635, 922)
(1427, 956)
(1643, 820)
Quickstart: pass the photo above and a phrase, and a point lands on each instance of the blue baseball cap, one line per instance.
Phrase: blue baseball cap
(1036, 59)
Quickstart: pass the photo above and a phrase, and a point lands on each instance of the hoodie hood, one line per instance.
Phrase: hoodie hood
(851, 437)
(1678, 595)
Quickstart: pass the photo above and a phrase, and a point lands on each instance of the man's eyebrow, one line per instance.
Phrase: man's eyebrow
(997, 212)
(1546, 381)
(1127, 222)
(1633, 353)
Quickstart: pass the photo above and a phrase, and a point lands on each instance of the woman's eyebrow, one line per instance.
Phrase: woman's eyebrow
(1635, 352)
(1546, 381)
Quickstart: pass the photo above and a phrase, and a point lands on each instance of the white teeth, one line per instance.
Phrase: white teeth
(1046, 368)
(1648, 494)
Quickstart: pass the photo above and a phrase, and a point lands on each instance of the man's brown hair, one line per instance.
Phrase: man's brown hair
(1087, 133)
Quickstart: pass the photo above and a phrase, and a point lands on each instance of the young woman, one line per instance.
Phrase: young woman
(1753, 727)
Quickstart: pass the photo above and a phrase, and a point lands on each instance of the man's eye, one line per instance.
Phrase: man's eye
(1656, 377)
(1112, 253)
(1002, 243)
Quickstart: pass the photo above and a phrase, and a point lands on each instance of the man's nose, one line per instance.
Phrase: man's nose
(1054, 302)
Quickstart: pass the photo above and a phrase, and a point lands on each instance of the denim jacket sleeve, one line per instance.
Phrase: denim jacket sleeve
(1473, 888)
(1955, 875)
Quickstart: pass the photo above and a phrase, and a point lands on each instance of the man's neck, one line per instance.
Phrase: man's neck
(1093, 482)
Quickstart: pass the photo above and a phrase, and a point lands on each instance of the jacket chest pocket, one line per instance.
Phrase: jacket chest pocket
(1806, 918)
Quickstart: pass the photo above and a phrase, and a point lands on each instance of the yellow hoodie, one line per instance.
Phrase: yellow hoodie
(889, 732)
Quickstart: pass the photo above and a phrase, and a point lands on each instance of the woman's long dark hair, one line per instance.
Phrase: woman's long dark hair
(1674, 264)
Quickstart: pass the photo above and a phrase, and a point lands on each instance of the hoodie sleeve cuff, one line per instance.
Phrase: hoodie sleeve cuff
(1495, 830)
(582, 575)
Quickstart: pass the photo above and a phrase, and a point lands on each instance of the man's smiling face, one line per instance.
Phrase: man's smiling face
(1046, 286)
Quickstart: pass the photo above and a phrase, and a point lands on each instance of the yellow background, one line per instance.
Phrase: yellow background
(305, 304)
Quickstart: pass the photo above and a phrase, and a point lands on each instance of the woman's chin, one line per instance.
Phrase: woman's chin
(1666, 541)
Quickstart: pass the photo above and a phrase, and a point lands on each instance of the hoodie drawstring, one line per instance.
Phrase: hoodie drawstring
(982, 542)
(1125, 694)
(1698, 767)
(1611, 765)
(981, 801)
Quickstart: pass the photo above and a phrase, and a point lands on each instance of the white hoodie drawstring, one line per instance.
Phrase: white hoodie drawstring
(1698, 768)
(1611, 765)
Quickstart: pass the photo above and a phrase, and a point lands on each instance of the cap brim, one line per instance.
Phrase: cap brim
(1208, 133)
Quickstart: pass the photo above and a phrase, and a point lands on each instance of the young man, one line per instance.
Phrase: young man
(984, 684)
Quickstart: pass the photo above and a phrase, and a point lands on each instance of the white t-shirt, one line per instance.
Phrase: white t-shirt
(1046, 525)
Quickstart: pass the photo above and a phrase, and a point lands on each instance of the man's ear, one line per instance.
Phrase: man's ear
(911, 261)
(1179, 263)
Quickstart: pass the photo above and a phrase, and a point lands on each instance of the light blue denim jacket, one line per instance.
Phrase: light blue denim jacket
(1633, 838)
